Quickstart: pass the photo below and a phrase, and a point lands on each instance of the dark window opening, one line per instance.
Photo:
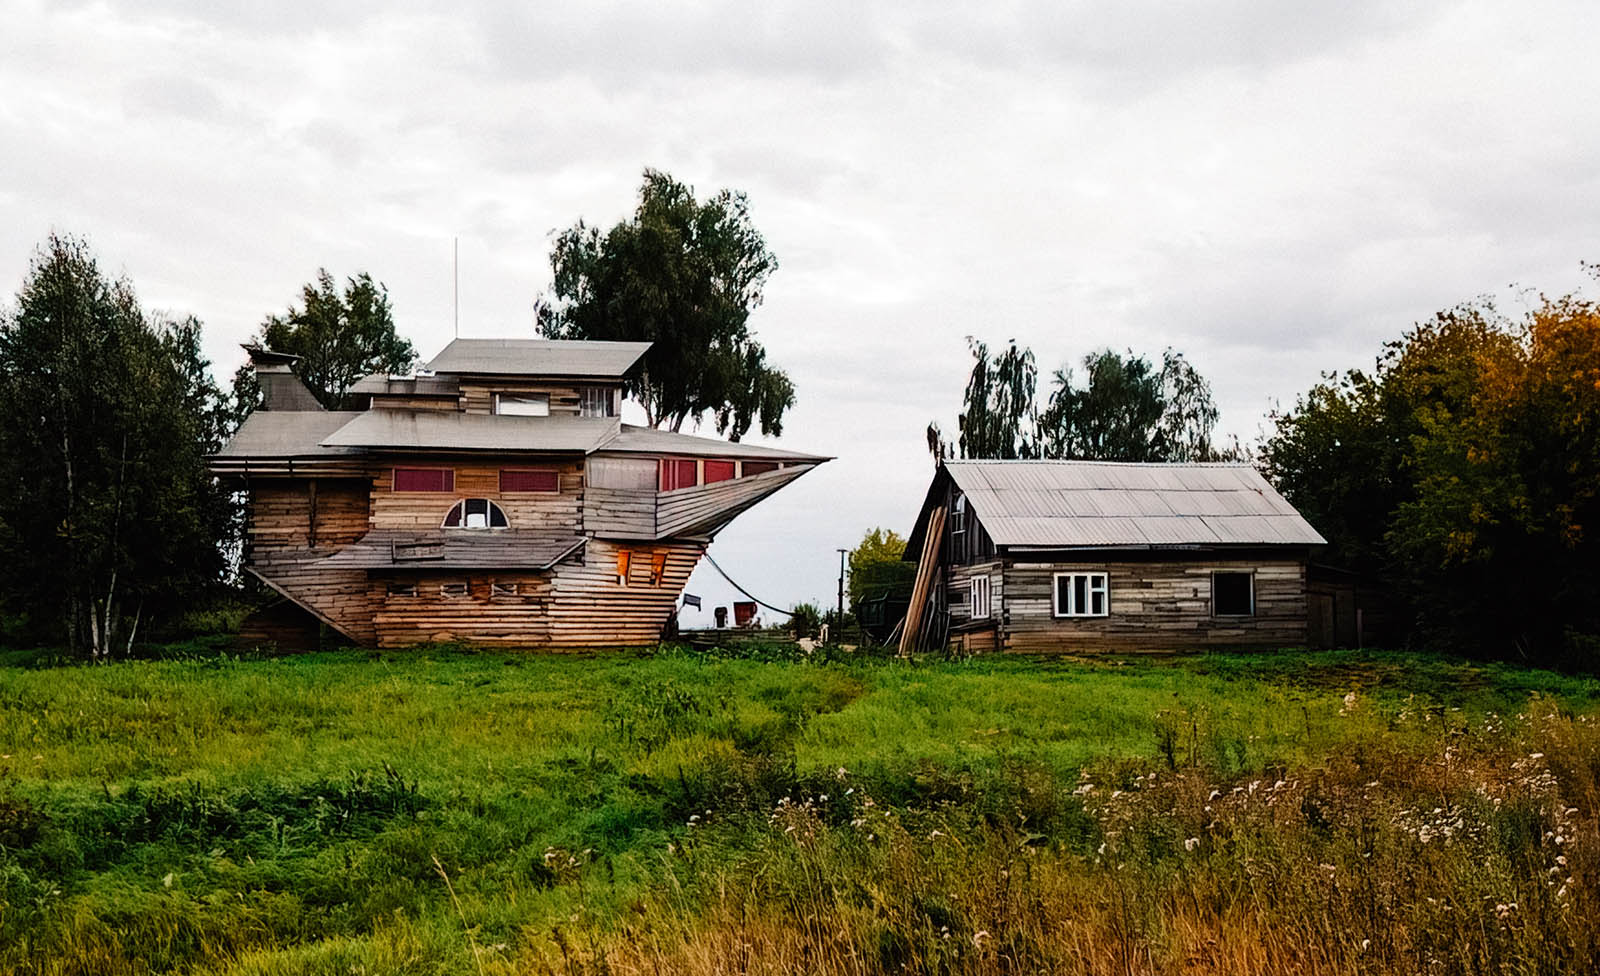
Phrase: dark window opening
(1233, 594)
(719, 471)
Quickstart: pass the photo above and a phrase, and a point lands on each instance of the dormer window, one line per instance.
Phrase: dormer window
(522, 404)
(597, 401)
(476, 513)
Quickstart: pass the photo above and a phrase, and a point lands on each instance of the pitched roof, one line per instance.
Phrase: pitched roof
(461, 549)
(649, 440)
(442, 430)
(539, 357)
(288, 433)
(382, 383)
(1071, 504)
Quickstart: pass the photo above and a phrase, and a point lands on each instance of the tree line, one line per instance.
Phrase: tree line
(1125, 408)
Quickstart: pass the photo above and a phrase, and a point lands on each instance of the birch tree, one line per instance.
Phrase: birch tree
(110, 515)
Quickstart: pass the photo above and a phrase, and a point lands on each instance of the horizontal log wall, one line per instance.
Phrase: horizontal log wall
(278, 547)
(968, 635)
(620, 512)
(590, 608)
(425, 510)
(1154, 606)
(478, 618)
(580, 603)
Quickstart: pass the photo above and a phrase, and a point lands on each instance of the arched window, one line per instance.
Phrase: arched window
(476, 513)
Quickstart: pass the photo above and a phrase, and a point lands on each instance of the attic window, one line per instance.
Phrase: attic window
(958, 529)
(597, 401)
(475, 513)
(1233, 594)
(522, 404)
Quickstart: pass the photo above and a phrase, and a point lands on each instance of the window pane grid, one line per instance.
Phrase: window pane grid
(1082, 595)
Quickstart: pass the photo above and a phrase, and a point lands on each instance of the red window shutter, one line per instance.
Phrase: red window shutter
(759, 467)
(677, 474)
(515, 481)
(424, 479)
(688, 474)
(719, 471)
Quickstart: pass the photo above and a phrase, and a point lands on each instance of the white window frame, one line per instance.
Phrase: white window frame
(980, 602)
(1090, 589)
(522, 404)
(490, 507)
(597, 401)
(1233, 572)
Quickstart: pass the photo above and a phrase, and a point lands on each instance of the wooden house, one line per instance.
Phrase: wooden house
(1079, 556)
(494, 498)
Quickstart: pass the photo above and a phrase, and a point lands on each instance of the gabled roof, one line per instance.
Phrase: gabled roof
(539, 357)
(443, 430)
(649, 440)
(1086, 504)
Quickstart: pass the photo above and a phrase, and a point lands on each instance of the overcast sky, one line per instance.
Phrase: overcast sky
(1273, 192)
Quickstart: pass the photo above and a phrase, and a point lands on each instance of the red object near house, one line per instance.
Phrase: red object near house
(744, 611)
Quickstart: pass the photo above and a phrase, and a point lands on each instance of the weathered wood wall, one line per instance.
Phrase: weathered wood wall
(477, 396)
(283, 518)
(581, 603)
(425, 510)
(1155, 605)
(968, 635)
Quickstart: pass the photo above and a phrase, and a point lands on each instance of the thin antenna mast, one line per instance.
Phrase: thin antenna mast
(455, 271)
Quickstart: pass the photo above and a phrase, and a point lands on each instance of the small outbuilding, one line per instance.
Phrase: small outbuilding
(1083, 556)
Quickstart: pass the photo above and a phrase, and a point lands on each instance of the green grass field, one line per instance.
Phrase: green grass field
(447, 811)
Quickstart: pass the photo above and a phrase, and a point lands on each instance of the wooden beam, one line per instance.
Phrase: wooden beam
(927, 568)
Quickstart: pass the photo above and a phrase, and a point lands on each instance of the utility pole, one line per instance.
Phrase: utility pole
(841, 586)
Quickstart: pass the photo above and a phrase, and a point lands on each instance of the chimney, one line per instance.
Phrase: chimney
(280, 388)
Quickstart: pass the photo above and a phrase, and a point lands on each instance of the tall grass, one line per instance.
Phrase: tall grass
(449, 812)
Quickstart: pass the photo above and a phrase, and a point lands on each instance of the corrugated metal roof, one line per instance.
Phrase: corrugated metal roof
(538, 357)
(649, 440)
(440, 430)
(1065, 504)
(288, 433)
(462, 549)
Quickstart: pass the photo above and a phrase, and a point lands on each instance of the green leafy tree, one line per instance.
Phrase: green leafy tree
(1129, 410)
(877, 568)
(997, 419)
(110, 516)
(684, 275)
(340, 336)
(1466, 472)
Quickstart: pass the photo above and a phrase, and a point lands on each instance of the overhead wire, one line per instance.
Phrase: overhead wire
(719, 569)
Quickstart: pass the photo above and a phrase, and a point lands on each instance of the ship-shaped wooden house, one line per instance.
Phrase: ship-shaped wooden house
(493, 498)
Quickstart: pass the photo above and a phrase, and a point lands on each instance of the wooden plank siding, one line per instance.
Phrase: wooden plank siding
(620, 513)
(1154, 605)
(477, 396)
(704, 508)
(580, 604)
(284, 516)
(425, 510)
